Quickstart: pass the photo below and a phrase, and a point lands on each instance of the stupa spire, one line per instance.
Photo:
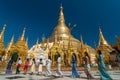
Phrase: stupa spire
(82, 44)
(81, 39)
(61, 19)
(26, 42)
(37, 42)
(3, 30)
(47, 43)
(11, 43)
(23, 34)
(43, 38)
(102, 39)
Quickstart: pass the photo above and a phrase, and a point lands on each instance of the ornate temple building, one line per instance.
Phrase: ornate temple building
(21, 46)
(104, 47)
(62, 42)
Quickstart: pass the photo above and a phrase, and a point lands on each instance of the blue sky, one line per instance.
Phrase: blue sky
(40, 17)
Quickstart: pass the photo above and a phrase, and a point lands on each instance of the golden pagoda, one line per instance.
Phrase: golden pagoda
(22, 46)
(104, 47)
(2, 40)
(62, 42)
(63, 32)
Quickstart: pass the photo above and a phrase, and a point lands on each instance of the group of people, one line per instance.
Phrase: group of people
(32, 65)
(104, 75)
(34, 62)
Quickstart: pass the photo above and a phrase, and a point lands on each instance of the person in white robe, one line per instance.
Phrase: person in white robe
(32, 66)
(59, 72)
(40, 67)
(48, 66)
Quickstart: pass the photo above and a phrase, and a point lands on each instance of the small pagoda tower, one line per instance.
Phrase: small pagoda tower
(8, 49)
(22, 46)
(104, 47)
(2, 40)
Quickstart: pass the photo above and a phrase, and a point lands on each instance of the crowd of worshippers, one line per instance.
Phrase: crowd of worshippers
(104, 74)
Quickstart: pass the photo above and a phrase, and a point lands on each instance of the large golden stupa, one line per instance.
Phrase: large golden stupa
(62, 42)
(63, 32)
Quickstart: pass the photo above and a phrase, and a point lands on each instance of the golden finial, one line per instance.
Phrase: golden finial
(26, 43)
(43, 38)
(102, 39)
(37, 42)
(81, 39)
(23, 34)
(43, 41)
(3, 30)
(61, 19)
(12, 40)
(47, 43)
(10, 44)
(61, 8)
(117, 38)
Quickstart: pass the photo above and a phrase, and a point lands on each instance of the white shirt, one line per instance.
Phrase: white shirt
(59, 60)
(19, 62)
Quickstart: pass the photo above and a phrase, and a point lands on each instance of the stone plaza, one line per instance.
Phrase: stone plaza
(67, 76)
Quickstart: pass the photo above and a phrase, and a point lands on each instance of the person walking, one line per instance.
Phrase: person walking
(48, 66)
(33, 66)
(26, 66)
(75, 73)
(58, 71)
(40, 67)
(104, 75)
(19, 62)
(86, 64)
